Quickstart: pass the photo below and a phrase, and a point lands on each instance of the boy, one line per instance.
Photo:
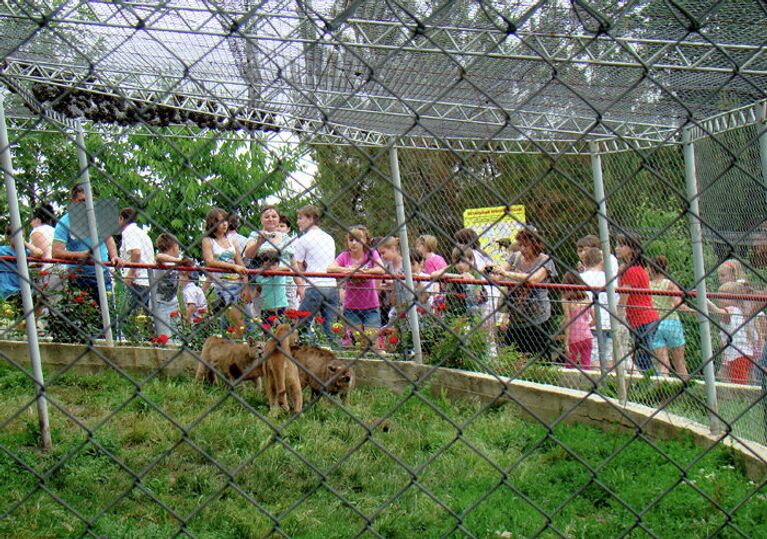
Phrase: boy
(10, 286)
(194, 298)
(274, 297)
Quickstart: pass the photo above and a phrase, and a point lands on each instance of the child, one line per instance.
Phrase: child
(194, 298)
(166, 304)
(462, 299)
(10, 286)
(274, 297)
(394, 291)
(576, 323)
(669, 336)
(737, 335)
(594, 276)
(425, 289)
(361, 304)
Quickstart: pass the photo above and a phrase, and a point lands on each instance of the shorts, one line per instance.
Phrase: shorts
(370, 318)
(668, 334)
(227, 294)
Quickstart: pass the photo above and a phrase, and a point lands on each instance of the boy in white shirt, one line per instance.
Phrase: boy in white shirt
(314, 251)
(135, 248)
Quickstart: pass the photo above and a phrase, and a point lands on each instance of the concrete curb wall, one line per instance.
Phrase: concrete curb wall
(540, 402)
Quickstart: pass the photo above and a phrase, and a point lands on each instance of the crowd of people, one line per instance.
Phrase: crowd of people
(362, 286)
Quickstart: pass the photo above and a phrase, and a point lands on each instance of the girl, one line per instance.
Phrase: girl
(220, 252)
(669, 334)
(737, 335)
(576, 323)
(641, 316)
(461, 299)
(361, 304)
(426, 245)
(730, 271)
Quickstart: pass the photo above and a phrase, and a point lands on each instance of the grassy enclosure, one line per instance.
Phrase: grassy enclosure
(394, 462)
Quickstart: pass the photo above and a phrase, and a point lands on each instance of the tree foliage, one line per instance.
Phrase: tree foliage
(172, 181)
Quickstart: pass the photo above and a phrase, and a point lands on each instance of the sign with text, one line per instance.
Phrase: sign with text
(493, 224)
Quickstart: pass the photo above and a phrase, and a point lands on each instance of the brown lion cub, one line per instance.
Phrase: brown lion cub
(323, 371)
(281, 373)
(230, 358)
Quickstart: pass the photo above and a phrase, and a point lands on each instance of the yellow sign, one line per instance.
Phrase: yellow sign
(493, 224)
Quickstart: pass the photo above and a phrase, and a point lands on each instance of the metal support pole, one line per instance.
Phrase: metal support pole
(699, 268)
(611, 273)
(412, 312)
(85, 181)
(761, 129)
(26, 289)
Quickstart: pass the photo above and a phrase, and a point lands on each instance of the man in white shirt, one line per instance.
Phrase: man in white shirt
(136, 248)
(314, 251)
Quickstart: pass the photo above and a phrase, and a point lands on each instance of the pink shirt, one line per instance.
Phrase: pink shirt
(360, 293)
(579, 328)
(434, 263)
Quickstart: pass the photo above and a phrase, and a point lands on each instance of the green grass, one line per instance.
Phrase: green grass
(503, 473)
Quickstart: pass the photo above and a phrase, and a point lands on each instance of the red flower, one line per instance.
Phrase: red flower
(201, 311)
(303, 314)
(266, 327)
(393, 339)
(336, 329)
(319, 319)
(273, 318)
(441, 306)
(71, 275)
(196, 320)
(79, 270)
(44, 273)
(461, 296)
(420, 310)
(403, 315)
(79, 299)
(292, 314)
(163, 340)
(230, 330)
(93, 304)
(174, 314)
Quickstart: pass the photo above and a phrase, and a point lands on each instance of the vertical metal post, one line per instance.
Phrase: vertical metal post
(699, 268)
(761, 129)
(85, 181)
(611, 273)
(24, 281)
(412, 312)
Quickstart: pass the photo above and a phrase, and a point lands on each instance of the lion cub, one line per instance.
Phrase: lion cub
(323, 371)
(280, 371)
(230, 358)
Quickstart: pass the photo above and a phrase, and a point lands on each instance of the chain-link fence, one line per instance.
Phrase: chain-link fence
(494, 269)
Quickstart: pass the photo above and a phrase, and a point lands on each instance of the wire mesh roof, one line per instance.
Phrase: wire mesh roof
(427, 72)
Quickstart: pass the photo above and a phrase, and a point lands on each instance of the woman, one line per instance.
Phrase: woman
(269, 238)
(641, 316)
(529, 309)
(41, 237)
(220, 252)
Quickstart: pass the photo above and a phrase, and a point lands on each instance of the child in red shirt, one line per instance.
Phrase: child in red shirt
(641, 316)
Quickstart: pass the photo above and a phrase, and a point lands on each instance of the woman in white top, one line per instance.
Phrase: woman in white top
(220, 252)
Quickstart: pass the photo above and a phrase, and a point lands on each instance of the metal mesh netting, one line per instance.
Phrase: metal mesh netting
(424, 202)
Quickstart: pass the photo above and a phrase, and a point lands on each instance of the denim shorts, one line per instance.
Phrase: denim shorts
(229, 293)
(370, 318)
(668, 334)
